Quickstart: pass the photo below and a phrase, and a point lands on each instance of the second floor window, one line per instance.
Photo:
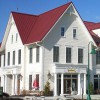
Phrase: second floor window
(37, 53)
(30, 55)
(8, 58)
(4, 60)
(13, 58)
(98, 57)
(68, 55)
(80, 55)
(55, 54)
(19, 56)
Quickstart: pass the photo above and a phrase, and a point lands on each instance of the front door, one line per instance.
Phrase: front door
(67, 86)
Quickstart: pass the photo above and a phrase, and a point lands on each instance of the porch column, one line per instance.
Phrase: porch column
(79, 84)
(55, 84)
(62, 84)
(5, 83)
(16, 84)
(13, 84)
(84, 84)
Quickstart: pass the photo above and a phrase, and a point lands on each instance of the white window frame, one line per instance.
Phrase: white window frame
(74, 34)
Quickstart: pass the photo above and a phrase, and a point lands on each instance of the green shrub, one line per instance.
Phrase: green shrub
(47, 89)
(91, 88)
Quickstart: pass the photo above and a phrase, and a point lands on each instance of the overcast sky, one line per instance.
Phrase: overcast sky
(89, 10)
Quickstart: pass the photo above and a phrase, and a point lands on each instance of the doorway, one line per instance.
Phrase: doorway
(67, 86)
(70, 83)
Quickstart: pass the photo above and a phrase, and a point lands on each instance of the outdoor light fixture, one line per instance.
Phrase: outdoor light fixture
(20, 76)
(93, 51)
(49, 75)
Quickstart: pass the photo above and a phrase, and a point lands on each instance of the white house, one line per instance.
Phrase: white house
(55, 42)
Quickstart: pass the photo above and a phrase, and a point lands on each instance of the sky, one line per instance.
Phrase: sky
(89, 10)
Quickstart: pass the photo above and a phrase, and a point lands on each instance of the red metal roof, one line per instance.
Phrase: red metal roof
(34, 28)
(92, 26)
(24, 23)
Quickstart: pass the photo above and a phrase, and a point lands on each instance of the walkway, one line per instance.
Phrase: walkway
(72, 97)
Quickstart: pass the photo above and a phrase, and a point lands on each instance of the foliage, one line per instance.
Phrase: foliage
(23, 92)
(47, 89)
(91, 88)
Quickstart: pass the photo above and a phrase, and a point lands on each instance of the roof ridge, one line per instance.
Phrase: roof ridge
(56, 8)
(24, 14)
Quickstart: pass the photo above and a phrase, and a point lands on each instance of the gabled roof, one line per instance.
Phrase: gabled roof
(92, 26)
(34, 28)
(25, 24)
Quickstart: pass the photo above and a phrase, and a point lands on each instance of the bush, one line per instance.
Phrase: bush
(47, 89)
(91, 88)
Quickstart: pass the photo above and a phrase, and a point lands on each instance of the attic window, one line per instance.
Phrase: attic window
(12, 39)
(74, 32)
(62, 31)
(16, 37)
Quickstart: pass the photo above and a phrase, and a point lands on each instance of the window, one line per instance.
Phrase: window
(37, 78)
(96, 83)
(37, 54)
(62, 31)
(16, 36)
(55, 54)
(98, 57)
(30, 55)
(13, 58)
(68, 55)
(12, 39)
(0, 81)
(4, 60)
(19, 56)
(74, 33)
(0, 60)
(30, 82)
(8, 58)
(80, 55)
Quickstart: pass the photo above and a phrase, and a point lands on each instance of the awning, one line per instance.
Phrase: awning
(35, 84)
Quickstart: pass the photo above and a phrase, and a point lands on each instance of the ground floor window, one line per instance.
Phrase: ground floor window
(97, 84)
(30, 82)
(0, 81)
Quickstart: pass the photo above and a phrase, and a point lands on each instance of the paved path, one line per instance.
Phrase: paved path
(93, 97)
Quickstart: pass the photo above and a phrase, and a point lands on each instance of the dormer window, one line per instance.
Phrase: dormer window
(62, 31)
(74, 32)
